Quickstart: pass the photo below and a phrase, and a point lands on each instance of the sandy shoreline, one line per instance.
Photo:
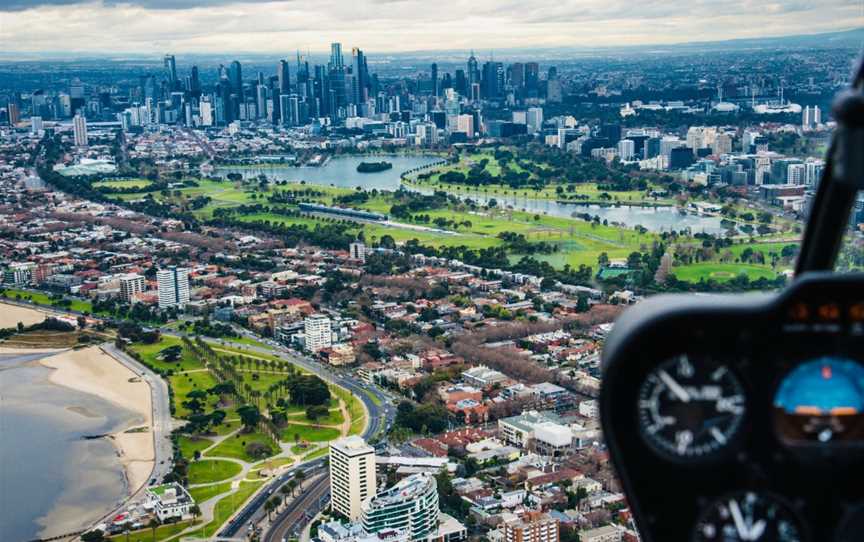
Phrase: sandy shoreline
(94, 372)
(10, 315)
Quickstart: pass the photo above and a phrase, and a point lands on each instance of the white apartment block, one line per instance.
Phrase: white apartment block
(173, 284)
(130, 285)
(317, 333)
(352, 475)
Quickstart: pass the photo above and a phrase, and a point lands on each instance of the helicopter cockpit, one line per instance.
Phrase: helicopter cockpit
(741, 417)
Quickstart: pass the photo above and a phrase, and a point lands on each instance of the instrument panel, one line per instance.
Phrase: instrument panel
(741, 417)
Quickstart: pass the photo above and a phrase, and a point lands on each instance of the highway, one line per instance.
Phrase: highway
(290, 522)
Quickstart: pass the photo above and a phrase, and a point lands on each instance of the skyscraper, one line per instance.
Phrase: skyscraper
(361, 76)
(434, 75)
(235, 77)
(336, 61)
(284, 77)
(473, 71)
(173, 287)
(170, 71)
(352, 475)
(79, 127)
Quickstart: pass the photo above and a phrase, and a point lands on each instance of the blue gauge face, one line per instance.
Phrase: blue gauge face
(821, 400)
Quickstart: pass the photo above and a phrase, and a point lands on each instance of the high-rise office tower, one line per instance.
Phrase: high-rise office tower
(14, 113)
(195, 83)
(336, 61)
(434, 75)
(173, 285)
(361, 76)
(352, 475)
(170, 65)
(235, 77)
(317, 333)
(130, 285)
(532, 76)
(473, 71)
(283, 77)
(79, 127)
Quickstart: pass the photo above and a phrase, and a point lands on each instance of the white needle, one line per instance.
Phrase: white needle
(758, 529)
(743, 532)
(674, 387)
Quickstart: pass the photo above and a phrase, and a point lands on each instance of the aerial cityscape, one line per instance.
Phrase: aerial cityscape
(340, 295)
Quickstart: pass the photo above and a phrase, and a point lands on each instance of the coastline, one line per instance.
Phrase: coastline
(12, 314)
(92, 371)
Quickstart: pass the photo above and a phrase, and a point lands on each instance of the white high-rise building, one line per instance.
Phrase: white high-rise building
(317, 332)
(465, 124)
(173, 286)
(626, 149)
(811, 117)
(534, 119)
(352, 475)
(358, 251)
(813, 171)
(79, 127)
(796, 174)
(130, 285)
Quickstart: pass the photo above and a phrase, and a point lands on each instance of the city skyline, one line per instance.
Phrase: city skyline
(144, 26)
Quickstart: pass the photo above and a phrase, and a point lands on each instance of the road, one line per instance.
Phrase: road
(290, 522)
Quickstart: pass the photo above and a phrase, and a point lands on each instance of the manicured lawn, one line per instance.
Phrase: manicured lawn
(236, 446)
(123, 183)
(163, 532)
(203, 493)
(189, 446)
(182, 384)
(212, 470)
(309, 433)
(721, 272)
(43, 299)
(150, 355)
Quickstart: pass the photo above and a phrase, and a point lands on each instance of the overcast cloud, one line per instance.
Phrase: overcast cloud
(204, 26)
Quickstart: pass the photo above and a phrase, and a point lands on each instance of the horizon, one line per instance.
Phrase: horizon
(147, 27)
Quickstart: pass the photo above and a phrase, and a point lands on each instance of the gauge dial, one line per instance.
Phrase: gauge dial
(748, 517)
(690, 409)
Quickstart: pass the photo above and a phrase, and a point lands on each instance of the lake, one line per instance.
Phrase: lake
(342, 171)
(50, 475)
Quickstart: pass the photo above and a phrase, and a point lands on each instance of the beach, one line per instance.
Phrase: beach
(10, 315)
(94, 372)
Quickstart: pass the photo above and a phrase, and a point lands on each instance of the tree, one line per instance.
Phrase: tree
(153, 524)
(603, 259)
(317, 411)
(249, 416)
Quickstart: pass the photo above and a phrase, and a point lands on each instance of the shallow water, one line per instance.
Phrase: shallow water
(52, 480)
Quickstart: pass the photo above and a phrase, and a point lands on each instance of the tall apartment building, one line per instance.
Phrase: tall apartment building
(130, 285)
(173, 284)
(79, 128)
(352, 475)
(533, 526)
(317, 333)
(358, 251)
(411, 504)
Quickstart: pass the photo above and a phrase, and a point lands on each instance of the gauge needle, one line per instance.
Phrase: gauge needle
(675, 387)
(743, 532)
(757, 530)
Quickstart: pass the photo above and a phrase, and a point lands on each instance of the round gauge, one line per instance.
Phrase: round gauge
(748, 517)
(690, 409)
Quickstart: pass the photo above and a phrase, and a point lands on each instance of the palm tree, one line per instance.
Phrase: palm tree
(291, 486)
(153, 524)
(268, 507)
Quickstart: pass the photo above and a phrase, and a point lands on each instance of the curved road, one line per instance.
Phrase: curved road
(291, 521)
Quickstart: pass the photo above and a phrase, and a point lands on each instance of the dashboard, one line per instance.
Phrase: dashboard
(741, 417)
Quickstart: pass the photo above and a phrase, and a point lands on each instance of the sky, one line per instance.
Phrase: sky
(253, 26)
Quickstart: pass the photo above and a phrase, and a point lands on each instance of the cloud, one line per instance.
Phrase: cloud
(380, 26)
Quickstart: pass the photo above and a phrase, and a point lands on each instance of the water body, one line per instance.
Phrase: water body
(52, 479)
(342, 171)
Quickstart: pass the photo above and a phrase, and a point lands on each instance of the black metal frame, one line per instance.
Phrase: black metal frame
(841, 179)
